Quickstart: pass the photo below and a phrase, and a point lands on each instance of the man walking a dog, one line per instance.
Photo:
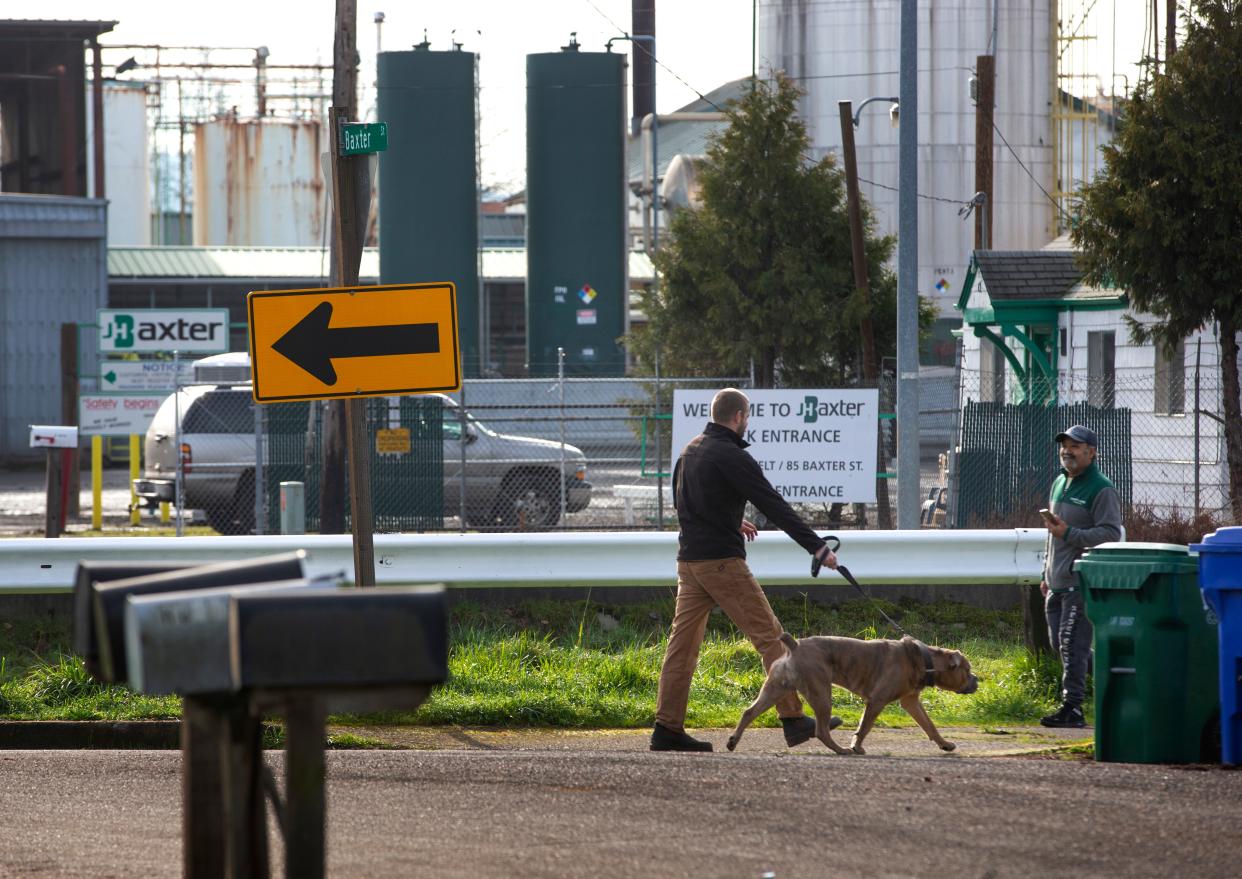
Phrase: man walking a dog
(1083, 511)
(713, 479)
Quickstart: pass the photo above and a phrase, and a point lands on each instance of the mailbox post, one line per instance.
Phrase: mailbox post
(242, 640)
(60, 441)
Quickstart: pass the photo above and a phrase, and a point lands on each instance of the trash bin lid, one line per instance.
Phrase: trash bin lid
(1143, 549)
(1127, 565)
(1222, 540)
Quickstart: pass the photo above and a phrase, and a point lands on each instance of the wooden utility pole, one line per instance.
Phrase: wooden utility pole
(345, 99)
(985, 101)
(345, 428)
(1170, 30)
(1034, 621)
(866, 329)
(351, 195)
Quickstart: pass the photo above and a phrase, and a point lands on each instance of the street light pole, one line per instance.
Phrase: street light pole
(908, 494)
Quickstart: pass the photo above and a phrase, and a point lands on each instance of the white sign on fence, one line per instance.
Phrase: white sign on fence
(815, 446)
(117, 414)
(144, 375)
(203, 330)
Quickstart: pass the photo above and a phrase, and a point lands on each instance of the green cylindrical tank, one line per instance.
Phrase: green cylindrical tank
(428, 180)
(576, 237)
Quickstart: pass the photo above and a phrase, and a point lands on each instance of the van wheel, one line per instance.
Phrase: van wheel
(529, 499)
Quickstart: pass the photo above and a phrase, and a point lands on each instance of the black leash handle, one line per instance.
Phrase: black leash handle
(816, 564)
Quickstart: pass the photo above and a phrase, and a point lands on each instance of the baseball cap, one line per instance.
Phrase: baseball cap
(1079, 434)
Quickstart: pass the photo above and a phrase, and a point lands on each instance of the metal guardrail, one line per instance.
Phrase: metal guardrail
(1001, 556)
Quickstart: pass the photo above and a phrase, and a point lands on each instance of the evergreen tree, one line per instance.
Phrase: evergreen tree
(761, 272)
(1163, 220)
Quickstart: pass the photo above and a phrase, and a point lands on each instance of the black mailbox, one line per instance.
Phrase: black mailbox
(360, 648)
(180, 642)
(86, 576)
(109, 598)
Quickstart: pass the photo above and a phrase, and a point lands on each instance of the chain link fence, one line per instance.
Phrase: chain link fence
(595, 453)
(1162, 443)
(503, 454)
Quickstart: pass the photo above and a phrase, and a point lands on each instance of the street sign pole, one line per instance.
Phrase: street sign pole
(351, 191)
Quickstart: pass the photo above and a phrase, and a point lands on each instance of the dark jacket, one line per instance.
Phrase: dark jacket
(1089, 504)
(712, 481)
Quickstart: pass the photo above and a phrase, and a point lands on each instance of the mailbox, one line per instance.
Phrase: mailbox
(48, 436)
(109, 598)
(363, 650)
(178, 642)
(358, 646)
(85, 644)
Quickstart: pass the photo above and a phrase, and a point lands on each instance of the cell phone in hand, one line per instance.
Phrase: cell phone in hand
(1047, 514)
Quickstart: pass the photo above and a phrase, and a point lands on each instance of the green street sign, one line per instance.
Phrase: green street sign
(363, 137)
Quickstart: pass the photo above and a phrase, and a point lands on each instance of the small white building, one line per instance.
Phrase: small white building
(1033, 332)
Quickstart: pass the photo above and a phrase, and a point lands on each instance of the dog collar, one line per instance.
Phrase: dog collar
(929, 667)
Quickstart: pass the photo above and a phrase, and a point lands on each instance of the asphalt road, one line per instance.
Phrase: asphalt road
(574, 812)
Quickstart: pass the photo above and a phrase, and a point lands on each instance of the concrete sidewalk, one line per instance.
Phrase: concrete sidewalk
(909, 741)
(1008, 741)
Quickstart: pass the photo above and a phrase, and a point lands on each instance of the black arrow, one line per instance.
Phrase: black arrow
(311, 345)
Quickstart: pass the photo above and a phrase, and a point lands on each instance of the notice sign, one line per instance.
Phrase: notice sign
(117, 414)
(814, 446)
(144, 375)
(392, 441)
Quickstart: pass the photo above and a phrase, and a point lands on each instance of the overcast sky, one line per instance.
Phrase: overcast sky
(701, 43)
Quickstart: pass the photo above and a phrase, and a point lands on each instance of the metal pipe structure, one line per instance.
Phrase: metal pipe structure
(651, 170)
(908, 493)
(1000, 557)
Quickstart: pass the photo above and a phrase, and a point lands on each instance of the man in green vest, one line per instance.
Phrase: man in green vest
(1083, 511)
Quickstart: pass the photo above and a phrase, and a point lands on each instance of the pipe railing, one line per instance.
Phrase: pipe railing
(545, 559)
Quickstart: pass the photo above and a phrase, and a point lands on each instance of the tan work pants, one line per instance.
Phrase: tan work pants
(700, 587)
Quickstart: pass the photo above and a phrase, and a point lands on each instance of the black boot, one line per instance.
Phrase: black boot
(799, 729)
(1066, 717)
(665, 739)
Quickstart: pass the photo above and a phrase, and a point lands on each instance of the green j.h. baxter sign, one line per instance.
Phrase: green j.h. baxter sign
(199, 330)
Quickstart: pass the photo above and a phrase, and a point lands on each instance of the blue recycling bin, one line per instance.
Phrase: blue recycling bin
(1220, 578)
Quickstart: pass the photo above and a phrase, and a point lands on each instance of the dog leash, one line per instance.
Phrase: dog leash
(929, 666)
(816, 564)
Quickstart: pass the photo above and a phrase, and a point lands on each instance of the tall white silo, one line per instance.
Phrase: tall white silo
(127, 162)
(850, 50)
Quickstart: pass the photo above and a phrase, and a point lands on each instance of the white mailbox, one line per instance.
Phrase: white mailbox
(45, 436)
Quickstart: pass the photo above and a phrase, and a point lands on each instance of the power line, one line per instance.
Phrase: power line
(957, 202)
(638, 45)
(1023, 166)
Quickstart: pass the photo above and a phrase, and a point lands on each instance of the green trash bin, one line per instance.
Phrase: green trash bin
(1156, 695)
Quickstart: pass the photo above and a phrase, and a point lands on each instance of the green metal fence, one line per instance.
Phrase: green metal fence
(1008, 458)
(407, 487)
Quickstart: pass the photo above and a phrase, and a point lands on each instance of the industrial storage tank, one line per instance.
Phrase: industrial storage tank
(259, 183)
(428, 180)
(576, 275)
(126, 162)
(850, 50)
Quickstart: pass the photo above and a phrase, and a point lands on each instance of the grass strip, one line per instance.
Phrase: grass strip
(586, 664)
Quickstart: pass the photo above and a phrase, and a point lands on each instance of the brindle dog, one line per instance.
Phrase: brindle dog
(880, 672)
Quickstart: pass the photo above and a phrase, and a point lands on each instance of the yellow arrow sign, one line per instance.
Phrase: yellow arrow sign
(353, 342)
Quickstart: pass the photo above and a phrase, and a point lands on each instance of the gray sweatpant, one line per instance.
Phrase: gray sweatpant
(1070, 632)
